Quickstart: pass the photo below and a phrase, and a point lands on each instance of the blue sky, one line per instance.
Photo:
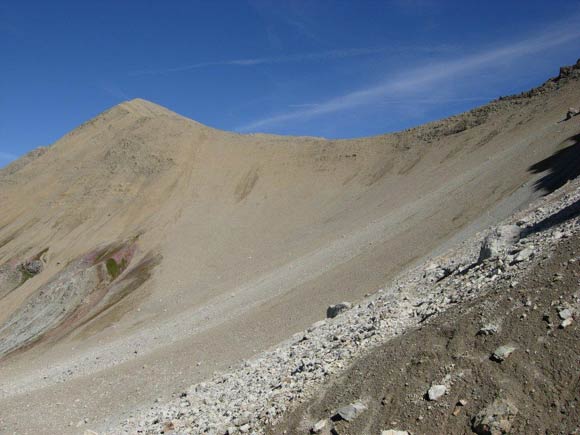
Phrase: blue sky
(321, 68)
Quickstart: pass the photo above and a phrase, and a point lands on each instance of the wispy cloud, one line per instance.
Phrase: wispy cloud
(303, 57)
(113, 90)
(425, 77)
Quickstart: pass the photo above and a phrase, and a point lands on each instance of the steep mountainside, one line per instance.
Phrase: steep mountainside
(144, 243)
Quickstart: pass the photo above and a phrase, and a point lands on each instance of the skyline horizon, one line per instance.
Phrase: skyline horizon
(300, 69)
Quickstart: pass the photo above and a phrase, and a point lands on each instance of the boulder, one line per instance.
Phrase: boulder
(335, 310)
(496, 419)
(499, 241)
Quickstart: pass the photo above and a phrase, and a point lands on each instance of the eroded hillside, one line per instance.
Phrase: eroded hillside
(144, 243)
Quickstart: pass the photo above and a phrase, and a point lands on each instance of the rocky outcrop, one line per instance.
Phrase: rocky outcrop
(499, 241)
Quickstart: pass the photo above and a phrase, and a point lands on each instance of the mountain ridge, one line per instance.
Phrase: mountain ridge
(450, 125)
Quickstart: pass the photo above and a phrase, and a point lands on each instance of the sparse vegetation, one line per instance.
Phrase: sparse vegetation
(115, 269)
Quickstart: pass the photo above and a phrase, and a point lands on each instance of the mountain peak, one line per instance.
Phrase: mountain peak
(143, 107)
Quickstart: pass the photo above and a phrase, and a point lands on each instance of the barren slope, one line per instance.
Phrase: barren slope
(171, 249)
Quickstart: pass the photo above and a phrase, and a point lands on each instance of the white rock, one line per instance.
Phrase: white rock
(565, 313)
(436, 392)
(319, 426)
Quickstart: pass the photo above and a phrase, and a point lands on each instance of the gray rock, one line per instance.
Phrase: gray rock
(32, 267)
(436, 392)
(352, 411)
(496, 419)
(498, 241)
(567, 322)
(502, 352)
(488, 329)
(394, 432)
(524, 254)
(334, 310)
(435, 273)
(565, 313)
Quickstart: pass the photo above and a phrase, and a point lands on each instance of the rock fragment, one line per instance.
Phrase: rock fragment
(565, 313)
(436, 392)
(496, 419)
(488, 329)
(350, 412)
(319, 426)
(572, 112)
(524, 254)
(460, 404)
(498, 241)
(32, 267)
(502, 352)
(435, 273)
(394, 432)
(334, 310)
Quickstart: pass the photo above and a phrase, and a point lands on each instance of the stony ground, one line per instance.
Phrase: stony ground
(437, 326)
(531, 310)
